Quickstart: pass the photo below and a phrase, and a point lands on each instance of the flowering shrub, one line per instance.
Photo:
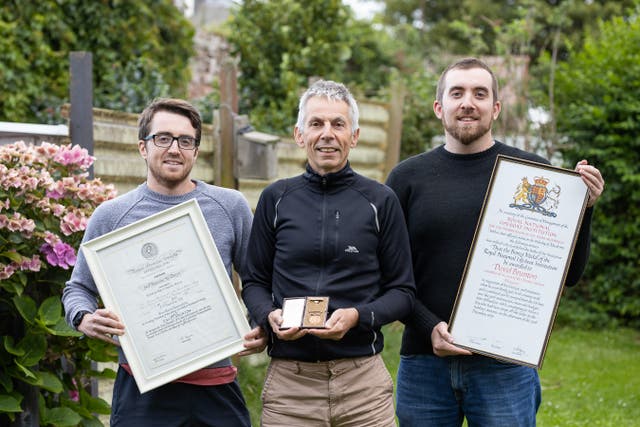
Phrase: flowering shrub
(46, 198)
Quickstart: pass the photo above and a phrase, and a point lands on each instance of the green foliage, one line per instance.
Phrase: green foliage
(443, 30)
(251, 372)
(284, 43)
(419, 123)
(140, 50)
(435, 32)
(598, 111)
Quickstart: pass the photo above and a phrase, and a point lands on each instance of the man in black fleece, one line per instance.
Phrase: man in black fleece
(441, 192)
(328, 232)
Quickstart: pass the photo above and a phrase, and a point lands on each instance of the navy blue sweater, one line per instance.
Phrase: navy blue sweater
(339, 235)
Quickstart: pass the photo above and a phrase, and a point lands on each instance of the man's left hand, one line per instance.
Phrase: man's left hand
(592, 177)
(338, 324)
(254, 342)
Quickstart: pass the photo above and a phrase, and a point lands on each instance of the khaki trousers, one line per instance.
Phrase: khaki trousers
(355, 392)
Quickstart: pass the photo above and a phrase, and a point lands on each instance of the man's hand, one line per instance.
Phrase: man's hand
(275, 320)
(338, 324)
(102, 324)
(593, 179)
(441, 340)
(254, 342)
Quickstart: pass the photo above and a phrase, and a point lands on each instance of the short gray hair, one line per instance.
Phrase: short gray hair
(333, 91)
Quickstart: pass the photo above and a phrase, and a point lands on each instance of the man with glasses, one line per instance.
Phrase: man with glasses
(168, 139)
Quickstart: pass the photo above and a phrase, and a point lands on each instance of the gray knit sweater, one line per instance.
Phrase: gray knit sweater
(226, 211)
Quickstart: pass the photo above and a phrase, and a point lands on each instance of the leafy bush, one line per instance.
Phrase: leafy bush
(598, 105)
(45, 201)
(140, 50)
(284, 43)
(419, 123)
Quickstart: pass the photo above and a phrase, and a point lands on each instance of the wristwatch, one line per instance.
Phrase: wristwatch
(77, 319)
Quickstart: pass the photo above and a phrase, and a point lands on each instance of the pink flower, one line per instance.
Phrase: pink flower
(95, 191)
(74, 394)
(6, 271)
(17, 223)
(60, 254)
(45, 193)
(55, 194)
(46, 149)
(51, 238)
(75, 155)
(58, 209)
(71, 222)
(31, 264)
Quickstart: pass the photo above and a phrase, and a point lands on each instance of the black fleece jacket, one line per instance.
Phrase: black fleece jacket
(339, 235)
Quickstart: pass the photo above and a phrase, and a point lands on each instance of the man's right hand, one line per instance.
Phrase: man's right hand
(275, 320)
(442, 342)
(102, 324)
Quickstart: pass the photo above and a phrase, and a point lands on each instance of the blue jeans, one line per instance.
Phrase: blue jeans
(436, 391)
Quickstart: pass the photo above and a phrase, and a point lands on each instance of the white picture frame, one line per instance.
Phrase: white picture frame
(164, 278)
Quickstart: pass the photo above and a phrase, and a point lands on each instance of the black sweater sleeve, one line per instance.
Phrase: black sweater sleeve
(581, 251)
(257, 279)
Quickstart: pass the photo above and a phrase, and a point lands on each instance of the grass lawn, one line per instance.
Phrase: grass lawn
(589, 378)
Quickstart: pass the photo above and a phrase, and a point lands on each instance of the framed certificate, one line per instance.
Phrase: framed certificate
(518, 262)
(164, 278)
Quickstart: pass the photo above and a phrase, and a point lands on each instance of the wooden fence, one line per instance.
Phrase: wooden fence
(118, 161)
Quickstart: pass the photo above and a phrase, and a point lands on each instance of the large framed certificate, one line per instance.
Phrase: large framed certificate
(164, 278)
(518, 262)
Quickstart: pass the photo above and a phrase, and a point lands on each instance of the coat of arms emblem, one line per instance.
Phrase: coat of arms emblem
(536, 197)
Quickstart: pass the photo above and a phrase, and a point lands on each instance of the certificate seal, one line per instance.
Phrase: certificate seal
(149, 250)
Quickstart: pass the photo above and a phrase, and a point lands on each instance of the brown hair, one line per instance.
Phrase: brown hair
(171, 105)
(467, 64)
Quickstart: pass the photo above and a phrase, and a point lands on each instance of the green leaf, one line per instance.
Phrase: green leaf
(99, 406)
(34, 347)
(45, 380)
(60, 417)
(106, 373)
(91, 422)
(9, 404)
(23, 279)
(12, 286)
(29, 375)
(49, 381)
(26, 306)
(5, 381)
(12, 255)
(50, 311)
(9, 345)
(94, 404)
(61, 329)
(102, 351)
(16, 238)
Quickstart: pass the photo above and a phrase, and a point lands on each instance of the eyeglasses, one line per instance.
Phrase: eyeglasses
(165, 140)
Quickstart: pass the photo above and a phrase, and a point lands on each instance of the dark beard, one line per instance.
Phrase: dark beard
(466, 136)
